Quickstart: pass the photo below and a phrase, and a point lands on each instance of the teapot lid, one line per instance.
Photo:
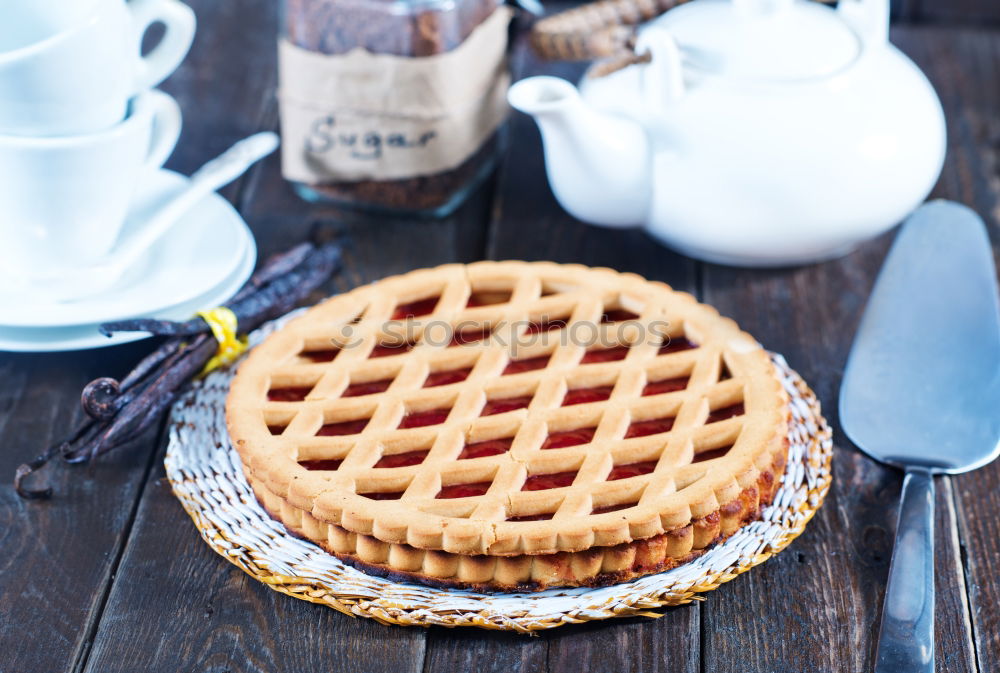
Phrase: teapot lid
(783, 40)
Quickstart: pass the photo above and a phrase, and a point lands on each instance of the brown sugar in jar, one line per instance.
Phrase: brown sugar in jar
(392, 104)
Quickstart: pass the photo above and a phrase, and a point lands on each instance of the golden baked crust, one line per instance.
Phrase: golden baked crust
(598, 566)
(716, 433)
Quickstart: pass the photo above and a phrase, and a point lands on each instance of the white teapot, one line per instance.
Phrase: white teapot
(762, 132)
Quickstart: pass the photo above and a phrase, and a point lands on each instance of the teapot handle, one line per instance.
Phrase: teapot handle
(662, 78)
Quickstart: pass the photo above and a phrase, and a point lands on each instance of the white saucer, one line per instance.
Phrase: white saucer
(200, 253)
(81, 337)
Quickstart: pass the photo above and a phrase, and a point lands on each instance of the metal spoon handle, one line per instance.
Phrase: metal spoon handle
(906, 639)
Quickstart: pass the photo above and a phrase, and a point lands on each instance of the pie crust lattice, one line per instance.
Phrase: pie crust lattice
(458, 423)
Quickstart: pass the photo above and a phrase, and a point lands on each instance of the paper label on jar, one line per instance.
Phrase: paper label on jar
(362, 116)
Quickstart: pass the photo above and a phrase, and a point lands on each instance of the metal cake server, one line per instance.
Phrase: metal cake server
(922, 392)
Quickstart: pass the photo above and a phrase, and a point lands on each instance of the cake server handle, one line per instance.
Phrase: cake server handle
(906, 638)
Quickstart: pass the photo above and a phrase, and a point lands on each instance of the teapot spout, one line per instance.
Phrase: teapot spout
(598, 164)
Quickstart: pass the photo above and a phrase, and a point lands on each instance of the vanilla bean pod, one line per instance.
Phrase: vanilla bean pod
(120, 411)
(23, 471)
(283, 291)
(148, 404)
(102, 398)
(276, 267)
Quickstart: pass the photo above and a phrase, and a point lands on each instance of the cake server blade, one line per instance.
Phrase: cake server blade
(922, 392)
(922, 384)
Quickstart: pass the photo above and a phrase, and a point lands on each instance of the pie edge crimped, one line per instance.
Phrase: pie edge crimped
(598, 566)
(311, 492)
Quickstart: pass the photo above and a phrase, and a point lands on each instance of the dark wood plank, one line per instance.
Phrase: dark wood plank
(972, 12)
(227, 82)
(484, 652)
(529, 224)
(821, 600)
(956, 647)
(977, 494)
(177, 606)
(670, 644)
(58, 555)
(958, 61)
(904, 10)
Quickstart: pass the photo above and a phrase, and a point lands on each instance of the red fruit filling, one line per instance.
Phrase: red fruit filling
(392, 348)
(471, 336)
(421, 419)
(382, 496)
(414, 309)
(605, 355)
(491, 447)
(543, 482)
(632, 470)
(343, 428)
(321, 464)
(665, 386)
(560, 440)
(369, 388)
(677, 344)
(726, 412)
(487, 298)
(712, 454)
(651, 427)
(509, 404)
(444, 378)
(296, 394)
(618, 315)
(587, 395)
(463, 490)
(403, 459)
(526, 365)
(321, 356)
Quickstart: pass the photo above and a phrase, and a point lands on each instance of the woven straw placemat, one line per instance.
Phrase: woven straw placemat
(207, 478)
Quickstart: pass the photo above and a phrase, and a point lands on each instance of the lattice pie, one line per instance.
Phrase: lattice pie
(511, 426)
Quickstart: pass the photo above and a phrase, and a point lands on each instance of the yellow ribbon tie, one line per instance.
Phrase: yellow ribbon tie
(223, 323)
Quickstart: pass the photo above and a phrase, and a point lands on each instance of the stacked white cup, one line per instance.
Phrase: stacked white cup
(80, 125)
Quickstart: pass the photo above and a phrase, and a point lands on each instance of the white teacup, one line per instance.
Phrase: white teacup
(80, 78)
(25, 22)
(64, 200)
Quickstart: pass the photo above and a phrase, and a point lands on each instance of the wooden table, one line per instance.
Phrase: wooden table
(110, 575)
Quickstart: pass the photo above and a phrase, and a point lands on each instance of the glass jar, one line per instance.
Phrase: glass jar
(392, 105)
